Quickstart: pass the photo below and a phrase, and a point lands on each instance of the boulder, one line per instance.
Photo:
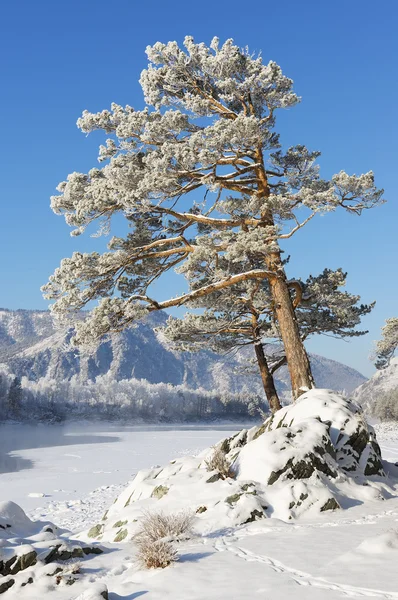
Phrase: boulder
(16, 559)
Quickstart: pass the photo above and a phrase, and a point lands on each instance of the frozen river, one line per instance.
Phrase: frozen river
(72, 473)
(55, 466)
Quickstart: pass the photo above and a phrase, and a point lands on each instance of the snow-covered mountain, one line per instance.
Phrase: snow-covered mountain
(381, 382)
(32, 347)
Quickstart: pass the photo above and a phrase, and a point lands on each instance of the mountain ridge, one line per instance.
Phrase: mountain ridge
(32, 346)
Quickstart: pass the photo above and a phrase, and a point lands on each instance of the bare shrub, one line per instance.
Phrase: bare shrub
(154, 537)
(155, 555)
(158, 526)
(218, 462)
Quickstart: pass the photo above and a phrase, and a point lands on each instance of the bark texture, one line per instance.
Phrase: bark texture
(267, 379)
(296, 355)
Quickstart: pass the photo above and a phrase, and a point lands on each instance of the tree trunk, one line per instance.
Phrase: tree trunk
(296, 355)
(267, 379)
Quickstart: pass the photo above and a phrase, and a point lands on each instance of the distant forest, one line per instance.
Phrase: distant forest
(133, 400)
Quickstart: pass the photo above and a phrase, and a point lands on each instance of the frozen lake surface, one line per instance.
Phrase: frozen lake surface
(66, 467)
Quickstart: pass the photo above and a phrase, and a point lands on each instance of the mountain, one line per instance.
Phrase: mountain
(381, 382)
(31, 346)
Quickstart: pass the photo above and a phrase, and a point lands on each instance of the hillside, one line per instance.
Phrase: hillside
(381, 382)
(32, 347)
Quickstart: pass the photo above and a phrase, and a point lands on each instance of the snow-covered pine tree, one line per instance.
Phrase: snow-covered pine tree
(198, 173)
(14, 398)
(243, 314)
(385, 348)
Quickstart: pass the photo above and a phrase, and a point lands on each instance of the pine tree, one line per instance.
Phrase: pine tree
(198, 174)
(243, 314)
(15, 397)
(385, 348)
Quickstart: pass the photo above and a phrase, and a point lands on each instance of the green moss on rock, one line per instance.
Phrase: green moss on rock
(95, 531)
(121, 535)
(159, 492)
(233, 499)
(120, 523)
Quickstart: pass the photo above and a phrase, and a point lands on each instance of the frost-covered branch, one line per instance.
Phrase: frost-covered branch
(385, 348)
(206, 188)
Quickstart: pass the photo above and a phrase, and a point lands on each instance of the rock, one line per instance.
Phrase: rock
(13, 517)
(95, 531)
(92, 550)
(214, 478)
(120, 523)
(288, 453)
(159, 492)
(352, 438)
(121, 535)
(254, 516)
(57, 570)
(301, 459)
(330, 504)
(61, 552)
(232, 499)
(5, 585)
(18, 561)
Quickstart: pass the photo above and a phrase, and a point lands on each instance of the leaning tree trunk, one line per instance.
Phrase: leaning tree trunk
(296, 355)
(267, 379)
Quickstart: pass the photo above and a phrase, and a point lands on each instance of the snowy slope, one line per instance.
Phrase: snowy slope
(31, 346)
(381, 382)
(348, 552)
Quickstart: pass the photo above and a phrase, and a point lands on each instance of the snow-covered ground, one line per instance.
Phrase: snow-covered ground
(347, 553)
(71, 473)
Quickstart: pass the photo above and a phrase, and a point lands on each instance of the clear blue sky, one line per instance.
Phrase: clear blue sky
(58, 58)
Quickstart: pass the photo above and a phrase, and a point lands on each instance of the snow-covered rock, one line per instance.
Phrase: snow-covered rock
(29, 549)
(315, 455)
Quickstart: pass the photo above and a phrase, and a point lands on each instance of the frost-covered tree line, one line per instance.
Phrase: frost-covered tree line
(385, 406)
(106, 398)
(208, 190)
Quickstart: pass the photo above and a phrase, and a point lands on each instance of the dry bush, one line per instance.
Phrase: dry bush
(154, 537)
(158, 526)
(155, 555)
(218, 462)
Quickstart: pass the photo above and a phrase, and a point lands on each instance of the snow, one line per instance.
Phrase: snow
(330, 555)
(381, 382)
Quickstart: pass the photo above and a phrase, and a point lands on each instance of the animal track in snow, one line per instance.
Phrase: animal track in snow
(300, 577)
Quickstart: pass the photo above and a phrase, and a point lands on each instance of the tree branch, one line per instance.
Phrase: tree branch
(212, 287)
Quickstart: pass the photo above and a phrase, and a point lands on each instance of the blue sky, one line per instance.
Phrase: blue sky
(58, 58)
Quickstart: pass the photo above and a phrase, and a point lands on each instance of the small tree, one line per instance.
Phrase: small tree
(208, 129)
(243, 314)
(15, 397)
(385, 348)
